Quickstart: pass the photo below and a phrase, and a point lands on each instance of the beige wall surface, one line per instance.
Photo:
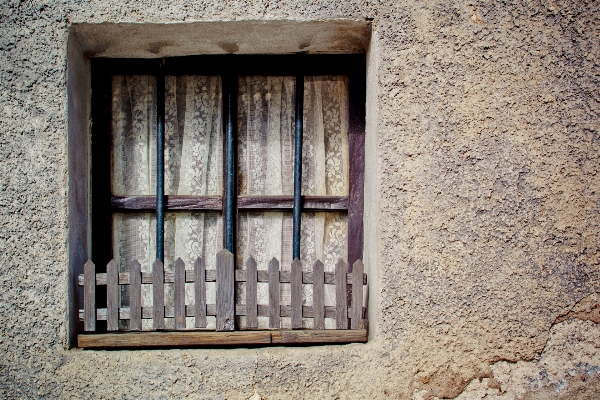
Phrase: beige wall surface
(482, 202)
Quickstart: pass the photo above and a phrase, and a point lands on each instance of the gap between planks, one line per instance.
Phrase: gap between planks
(237, 338)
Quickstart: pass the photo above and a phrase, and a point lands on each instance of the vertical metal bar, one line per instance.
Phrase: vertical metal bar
(160, 167)
(229, 114)
(298, 164)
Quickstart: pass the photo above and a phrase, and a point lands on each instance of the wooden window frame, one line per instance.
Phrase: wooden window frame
(103, 204)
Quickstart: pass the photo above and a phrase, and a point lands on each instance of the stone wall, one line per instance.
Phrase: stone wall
(483, 196)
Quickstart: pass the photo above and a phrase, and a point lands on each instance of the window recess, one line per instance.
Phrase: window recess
(227, 195)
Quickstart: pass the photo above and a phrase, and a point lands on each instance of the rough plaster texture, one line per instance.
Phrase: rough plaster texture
(483, 206)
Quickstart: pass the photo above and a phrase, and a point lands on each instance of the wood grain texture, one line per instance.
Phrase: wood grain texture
(296, 294)
(89, 297)
(318, 296)
(179, 294)
(309, 203)
(112, 297)
(211, 276)
(208, 339)
(158, 295)
(174, 339)
(356, 150)
(135, 296)
(172, 203)
(274, 320)
(225, 291)
(199, 293)
(251, 309)
(316, 337)
(341, 313)
(356, 321)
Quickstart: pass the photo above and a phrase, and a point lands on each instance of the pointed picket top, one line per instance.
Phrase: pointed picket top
(356, 263)
(179, 261)
(224, 252)
(250, 261)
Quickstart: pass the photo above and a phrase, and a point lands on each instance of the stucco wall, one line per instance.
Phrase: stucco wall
(483, 192)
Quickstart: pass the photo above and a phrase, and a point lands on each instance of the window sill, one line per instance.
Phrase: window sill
(219, 339)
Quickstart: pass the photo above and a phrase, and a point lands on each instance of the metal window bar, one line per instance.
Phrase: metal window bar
(229, 83)
(160, 167)
(298, 165)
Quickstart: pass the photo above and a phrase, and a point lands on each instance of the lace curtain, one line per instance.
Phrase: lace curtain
(193, 166)
(266, 120)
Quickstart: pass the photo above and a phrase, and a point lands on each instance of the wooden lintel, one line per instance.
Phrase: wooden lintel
(216, 339)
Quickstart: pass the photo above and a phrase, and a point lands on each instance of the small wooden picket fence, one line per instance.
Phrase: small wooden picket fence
(225, 310)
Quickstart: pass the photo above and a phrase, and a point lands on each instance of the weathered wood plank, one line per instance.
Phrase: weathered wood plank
(174, 339)
(239, 338)
(200, 293)
(211, 310)
(274, 320)
(315, 337)
(158, 295)
(356, 321)
(310, 203)
(112, 297)
(318, 296)
(296, 294)
(211, 276)
(251, 309)
(341, 306)
(225, 291)
(135, 297)
(178, 202)
(179, 294)
(89, 296)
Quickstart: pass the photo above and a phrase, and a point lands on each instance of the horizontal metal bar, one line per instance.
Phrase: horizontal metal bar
(211, 275)
(211, 310)
(214, 203)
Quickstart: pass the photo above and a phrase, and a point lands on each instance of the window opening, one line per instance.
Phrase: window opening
(217, 82)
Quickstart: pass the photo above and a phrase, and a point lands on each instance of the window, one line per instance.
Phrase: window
(260, 155)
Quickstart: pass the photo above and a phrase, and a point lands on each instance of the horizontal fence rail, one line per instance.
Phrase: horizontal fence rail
(347, 285)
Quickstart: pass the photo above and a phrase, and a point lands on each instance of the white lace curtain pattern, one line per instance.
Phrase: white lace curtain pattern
(193, 166)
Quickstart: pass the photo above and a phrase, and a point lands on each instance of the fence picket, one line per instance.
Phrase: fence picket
(158, 295)
(89, 296)
(296, 294)
(225, 291)
(112, 297)
(318, 296)
(179, 294)
(274, 319)
(200, 293)
(341, 306)
(251, 309)
(356, 321)
(135, 296)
